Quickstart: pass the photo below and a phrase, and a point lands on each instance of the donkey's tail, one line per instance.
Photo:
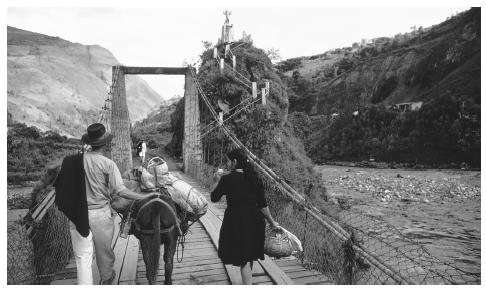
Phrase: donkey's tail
(155, 244)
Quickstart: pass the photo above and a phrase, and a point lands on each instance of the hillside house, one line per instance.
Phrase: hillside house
(406, 106)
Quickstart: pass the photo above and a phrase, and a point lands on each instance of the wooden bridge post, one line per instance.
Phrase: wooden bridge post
(191, 144)
(121, 147)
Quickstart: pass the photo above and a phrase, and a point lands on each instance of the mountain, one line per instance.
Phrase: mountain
(350, 104)
(408, 67)
(58, 85)
(156, 127)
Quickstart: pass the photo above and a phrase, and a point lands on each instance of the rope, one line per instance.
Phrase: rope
(231, 116)
(180, 242)
(238, 46)
(236, 72)
(105, 114)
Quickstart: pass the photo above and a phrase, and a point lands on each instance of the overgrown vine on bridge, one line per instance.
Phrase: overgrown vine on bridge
(261, 128)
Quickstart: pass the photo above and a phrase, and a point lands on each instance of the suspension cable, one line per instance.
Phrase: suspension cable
(231, 116)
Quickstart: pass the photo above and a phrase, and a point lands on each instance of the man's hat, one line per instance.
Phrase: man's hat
(97, 135)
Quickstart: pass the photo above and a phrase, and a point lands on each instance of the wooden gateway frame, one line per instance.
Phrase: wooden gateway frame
(120, 124)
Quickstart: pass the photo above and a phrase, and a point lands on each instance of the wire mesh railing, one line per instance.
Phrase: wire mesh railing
(353, 248)
(39, 246)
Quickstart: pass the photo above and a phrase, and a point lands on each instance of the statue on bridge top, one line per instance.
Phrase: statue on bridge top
(227, 13)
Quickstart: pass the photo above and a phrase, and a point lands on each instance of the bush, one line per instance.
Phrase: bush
(29, 153)
(20, 130)
(290, 64)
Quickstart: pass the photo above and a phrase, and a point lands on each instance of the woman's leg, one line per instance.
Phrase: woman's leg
(245, 270)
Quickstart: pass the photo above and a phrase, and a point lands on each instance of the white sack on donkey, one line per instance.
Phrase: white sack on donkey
(153, 175)
(187, 197)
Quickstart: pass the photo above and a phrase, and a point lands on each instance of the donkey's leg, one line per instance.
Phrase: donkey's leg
(170, 244)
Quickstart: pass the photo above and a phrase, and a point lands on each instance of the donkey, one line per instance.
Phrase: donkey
(155, 222)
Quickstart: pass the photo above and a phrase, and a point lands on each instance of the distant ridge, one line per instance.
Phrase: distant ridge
(58, 85)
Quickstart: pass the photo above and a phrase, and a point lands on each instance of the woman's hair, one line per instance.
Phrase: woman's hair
(240, 155)
(244, 163)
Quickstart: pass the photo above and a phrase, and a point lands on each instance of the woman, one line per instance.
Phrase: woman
(242, 234)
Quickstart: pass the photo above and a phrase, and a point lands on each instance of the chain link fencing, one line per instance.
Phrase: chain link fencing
(353, 248)
(39, 246)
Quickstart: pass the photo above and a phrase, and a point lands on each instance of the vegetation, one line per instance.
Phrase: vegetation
(155, 129)
(444, 132)
(262, 128)
(30, 152)
(177, 124)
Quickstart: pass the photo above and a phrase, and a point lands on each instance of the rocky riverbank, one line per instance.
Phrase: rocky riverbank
(407, 185)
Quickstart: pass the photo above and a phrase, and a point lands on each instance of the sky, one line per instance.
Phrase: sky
(171, 36)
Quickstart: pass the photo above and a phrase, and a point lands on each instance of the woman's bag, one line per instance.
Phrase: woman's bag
(294, 241)
(281, 244)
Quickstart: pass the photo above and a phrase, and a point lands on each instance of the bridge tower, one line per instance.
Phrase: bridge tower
(191, 142)
(121, 146)
(121, 151)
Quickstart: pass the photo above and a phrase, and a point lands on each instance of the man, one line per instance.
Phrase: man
(84, 187)
(142, 151)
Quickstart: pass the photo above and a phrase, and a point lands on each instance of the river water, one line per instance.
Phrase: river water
(449, 229)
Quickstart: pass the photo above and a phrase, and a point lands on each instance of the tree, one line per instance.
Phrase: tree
(207, 45)
(274, 55)
(246, 38)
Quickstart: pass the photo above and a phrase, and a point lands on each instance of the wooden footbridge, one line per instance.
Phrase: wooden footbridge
(344, 246)
(200, 263)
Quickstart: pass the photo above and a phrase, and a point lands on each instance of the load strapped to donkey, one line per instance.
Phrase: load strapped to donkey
(154, 176)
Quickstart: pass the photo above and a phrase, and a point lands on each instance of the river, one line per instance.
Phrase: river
(444, 216)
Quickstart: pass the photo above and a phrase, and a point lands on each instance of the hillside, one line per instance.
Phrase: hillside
(156, 128)
(340, 100)
(58, 85)
(408, 67)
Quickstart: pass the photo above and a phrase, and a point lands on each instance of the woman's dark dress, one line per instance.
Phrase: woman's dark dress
(242, 234)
